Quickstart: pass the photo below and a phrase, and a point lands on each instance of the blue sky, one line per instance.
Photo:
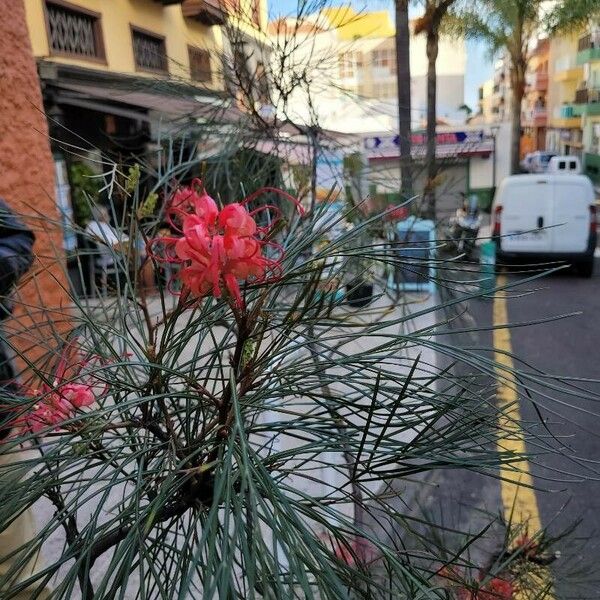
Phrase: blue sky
(478, 69)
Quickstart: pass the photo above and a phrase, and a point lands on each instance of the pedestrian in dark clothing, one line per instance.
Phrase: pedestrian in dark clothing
(16, 258)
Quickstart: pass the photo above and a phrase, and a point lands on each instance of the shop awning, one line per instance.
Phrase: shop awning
(142, 105)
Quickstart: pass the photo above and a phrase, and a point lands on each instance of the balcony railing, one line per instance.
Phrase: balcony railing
(566, 112)
(587, 95)
(540, 81)
(535, 117)
(584, 43)
(589, 41)
(208, 12)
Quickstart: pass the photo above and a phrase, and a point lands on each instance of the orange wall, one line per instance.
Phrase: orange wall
(27, 176)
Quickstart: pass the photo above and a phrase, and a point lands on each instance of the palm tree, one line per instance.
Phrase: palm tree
(513, 26)
(429, 25)
(404, 105)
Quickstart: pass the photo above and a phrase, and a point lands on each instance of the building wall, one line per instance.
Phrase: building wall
(27, 179)
(486, 92)
(344, 70)
(117, 16)
(564, 76)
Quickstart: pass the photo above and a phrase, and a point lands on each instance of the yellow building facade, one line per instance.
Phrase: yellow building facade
(116, 74)
(104, 36)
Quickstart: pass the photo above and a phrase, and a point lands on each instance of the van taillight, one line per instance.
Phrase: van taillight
(496, 221)
(593, 218)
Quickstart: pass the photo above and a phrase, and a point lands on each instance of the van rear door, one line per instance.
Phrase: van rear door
(527, 207)
(571, 214)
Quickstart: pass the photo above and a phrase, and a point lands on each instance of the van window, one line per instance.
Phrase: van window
(573, 165)
(562, 164)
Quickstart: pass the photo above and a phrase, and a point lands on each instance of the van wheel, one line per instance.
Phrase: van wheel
(586, 268)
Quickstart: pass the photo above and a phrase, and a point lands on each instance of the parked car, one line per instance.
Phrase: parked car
(525, 164)
(565, 165)
(539, 161)
(546, 218)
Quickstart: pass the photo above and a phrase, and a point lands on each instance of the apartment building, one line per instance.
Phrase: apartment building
(485, 113)
(501, 91)
(574, 98)
(113, 73)
(352, 61)
(534, 116)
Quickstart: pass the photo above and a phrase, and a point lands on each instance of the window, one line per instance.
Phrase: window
(348, 63)
(384, 59)
(73, 31)
(149, 51)
(199, 64)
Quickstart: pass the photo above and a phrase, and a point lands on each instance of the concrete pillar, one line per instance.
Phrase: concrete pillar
(27, 181)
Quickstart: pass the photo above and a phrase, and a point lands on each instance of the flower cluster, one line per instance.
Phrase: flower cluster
(71, 391)
(57, 406)
(218, 249)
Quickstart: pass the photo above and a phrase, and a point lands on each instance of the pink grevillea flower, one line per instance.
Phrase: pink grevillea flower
(73, 390)
(218, 249)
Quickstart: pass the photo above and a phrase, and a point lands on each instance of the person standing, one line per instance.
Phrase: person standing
(16, 258)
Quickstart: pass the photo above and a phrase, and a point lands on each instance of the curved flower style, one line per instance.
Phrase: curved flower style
(218, 249)
(61, 402)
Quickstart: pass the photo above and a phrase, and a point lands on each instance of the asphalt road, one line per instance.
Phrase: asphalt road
(566, 461)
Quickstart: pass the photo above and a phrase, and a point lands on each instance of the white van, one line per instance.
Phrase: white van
(546, 217)
(565, 165)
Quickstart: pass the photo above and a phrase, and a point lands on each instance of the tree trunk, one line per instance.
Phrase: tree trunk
(404, 104)
(517, 76)
(430, 162)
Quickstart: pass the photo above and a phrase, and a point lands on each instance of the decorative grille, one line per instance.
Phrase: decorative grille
(149, 51)
(73, 32)
(199, 64)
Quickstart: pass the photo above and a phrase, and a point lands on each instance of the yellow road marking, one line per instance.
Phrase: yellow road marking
(518, 498)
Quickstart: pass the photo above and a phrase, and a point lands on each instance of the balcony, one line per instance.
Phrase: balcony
(207, 12)
(536, 117)
(538, 81)
(588, 48)
(587, 101)
(564, 117)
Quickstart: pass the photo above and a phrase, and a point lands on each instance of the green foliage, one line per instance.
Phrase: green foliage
(133, 178)
(85, 189)
(148, 207)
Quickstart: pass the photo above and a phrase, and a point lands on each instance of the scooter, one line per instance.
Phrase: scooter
(464, 226)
